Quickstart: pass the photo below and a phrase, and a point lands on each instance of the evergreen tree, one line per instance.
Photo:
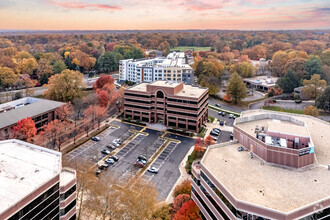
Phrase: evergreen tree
(288, 82)
(44, 79)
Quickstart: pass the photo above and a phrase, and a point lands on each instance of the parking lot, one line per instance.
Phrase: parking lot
(228, 121)
(91, 150)
(147, 143)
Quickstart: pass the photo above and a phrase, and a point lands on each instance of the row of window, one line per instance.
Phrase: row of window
(203, 204)
(68, 208)
(36, 205)
(68, 193)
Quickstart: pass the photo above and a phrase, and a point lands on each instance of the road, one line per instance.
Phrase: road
(226, 106)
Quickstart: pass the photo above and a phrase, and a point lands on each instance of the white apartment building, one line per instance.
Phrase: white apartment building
(172, 68)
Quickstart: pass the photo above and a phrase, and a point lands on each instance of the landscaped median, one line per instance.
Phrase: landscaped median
(279, 109)
(224, 110)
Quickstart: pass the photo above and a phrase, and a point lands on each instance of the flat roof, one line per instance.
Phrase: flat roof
(37, 107)
(266, 185)
(318, 131)
(284, 127)
(67, 175)
(24, 168)
(187, 91)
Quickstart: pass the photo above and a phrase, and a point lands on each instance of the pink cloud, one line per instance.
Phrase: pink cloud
(81, 5)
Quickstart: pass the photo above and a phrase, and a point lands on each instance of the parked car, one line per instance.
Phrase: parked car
(217, 105)
(115, 158)
(117, 141)
(138, 164)
(105, 151)
(96, 138)
(111, 147)
(223, 114)
(115, 144)
(214, 137)
(153, 169)
(104, 166)
(142, 157)
(222, 123)
(141, 161)
(214, 133)
(240, 148)
(216, 129)
(232, 116)
(219, 113)
(110, 161)
(98, 172)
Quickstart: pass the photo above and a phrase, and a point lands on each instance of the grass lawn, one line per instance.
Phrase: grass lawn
(185, 48)
(279, 109)
(211, 119)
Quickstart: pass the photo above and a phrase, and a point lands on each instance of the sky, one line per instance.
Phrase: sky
(164, 14)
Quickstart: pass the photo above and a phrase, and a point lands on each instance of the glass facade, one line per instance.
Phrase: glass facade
(41, 206)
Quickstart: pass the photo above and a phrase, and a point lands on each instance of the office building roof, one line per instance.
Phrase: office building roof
(187, 91)
(255, 182)
(23, 108)
(24, 167)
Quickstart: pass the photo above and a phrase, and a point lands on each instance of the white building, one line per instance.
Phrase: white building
(172, 68)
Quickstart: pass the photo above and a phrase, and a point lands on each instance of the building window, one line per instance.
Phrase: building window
(160, 94)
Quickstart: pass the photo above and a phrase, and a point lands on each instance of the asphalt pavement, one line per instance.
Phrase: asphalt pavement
(169, 163)
(225, 105)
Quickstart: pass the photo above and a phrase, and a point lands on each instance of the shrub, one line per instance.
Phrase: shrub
(183, 188)
(179, 200)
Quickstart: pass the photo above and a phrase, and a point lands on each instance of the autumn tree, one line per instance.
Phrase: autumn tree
(103, 98)
(209, 140)
(236, 88)
(29, 86)
(28, 66)
(7, 77)
(311, 110)
(323, 101)
(25, 129)
(188, 211)
(314, 87)
(244, 69)
(65, 86)
(54, 134)
(180, 200)
(95, 114)
(65, 112)
(102, 81)
(182, 188)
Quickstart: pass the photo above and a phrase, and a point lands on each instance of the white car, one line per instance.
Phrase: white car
(110, 161)
(153, 169)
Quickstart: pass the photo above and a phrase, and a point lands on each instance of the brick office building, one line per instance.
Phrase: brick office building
(33, 184)
(274, 177)
(41, 111)
(173, 104)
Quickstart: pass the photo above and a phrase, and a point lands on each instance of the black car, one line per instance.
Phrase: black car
(214, 133)
(98, 172)
(96, 138)
(218, 105)
(104, 166)
(223, 114)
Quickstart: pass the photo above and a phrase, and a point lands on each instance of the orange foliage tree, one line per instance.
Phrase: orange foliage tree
(209, 140)
(189, 210)
(102, 81)
(95, 114)
(103, 98)
(179, 200)
(54, 134)
(25, 129)
(182, 188)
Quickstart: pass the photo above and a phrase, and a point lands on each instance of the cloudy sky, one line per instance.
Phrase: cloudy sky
(164, 14)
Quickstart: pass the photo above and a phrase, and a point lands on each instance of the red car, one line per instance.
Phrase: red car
(139, 164)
